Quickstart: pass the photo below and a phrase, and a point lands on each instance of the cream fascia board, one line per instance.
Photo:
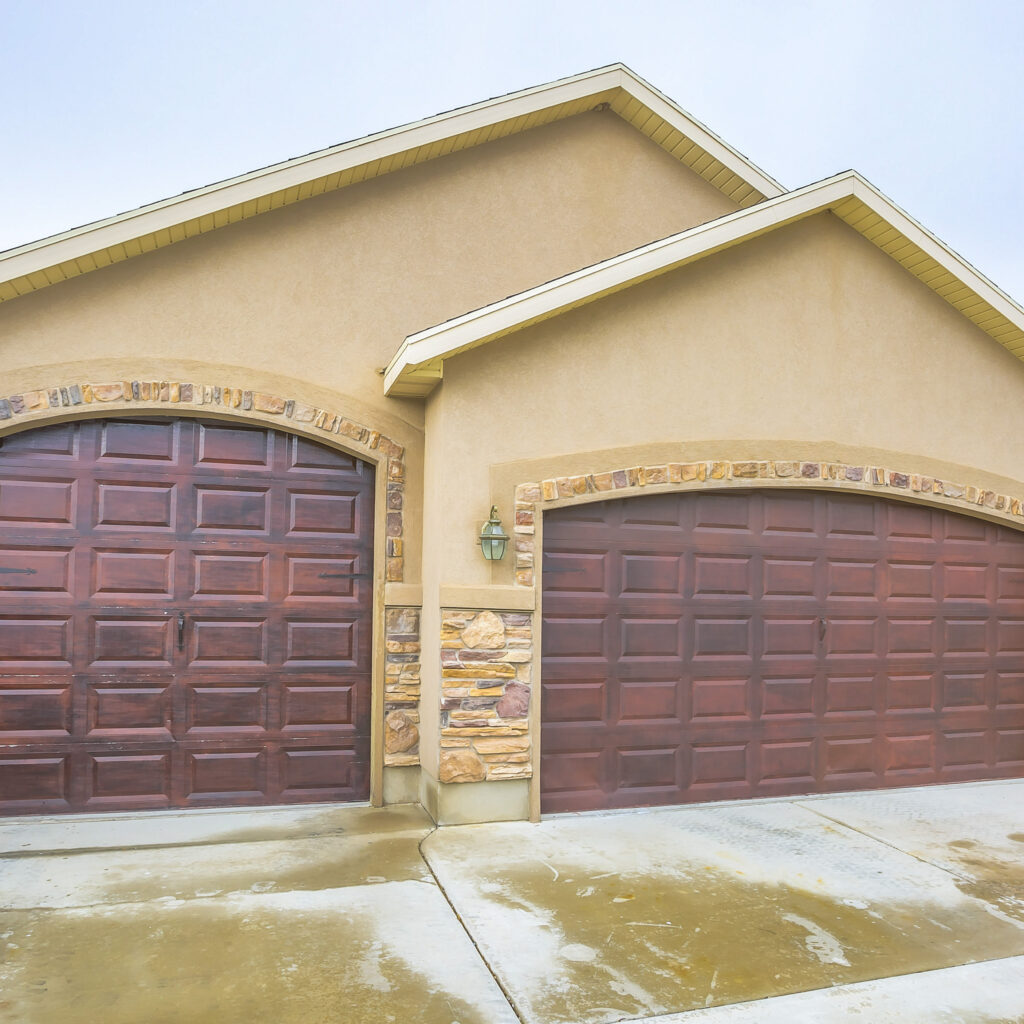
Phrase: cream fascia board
(671, 113)
(167, 213)
(433, 345)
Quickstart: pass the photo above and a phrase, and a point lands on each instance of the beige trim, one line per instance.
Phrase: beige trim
(80, 250)
(418, 364)
(403, 595)
(497, 598)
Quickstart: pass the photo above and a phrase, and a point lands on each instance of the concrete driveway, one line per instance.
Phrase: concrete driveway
(903, 906)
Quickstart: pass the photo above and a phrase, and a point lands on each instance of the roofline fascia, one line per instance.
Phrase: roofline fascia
(122, 228)
(591, 283)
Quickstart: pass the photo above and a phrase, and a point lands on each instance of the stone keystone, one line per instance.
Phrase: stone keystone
(486, 630)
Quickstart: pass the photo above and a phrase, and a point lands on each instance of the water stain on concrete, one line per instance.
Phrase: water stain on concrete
(293, 961)
(326, 865)
(678, 944)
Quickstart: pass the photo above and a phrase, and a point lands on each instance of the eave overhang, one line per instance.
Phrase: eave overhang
(418, 365)
(50, 260)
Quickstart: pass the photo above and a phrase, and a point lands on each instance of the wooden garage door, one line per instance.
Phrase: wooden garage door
(747, 644)
(184, 618)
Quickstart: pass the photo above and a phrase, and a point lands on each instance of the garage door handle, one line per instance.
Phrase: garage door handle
(181, 631)
(822, 625)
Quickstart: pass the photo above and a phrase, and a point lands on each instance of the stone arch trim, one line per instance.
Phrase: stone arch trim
(532, 498)
(262, 407)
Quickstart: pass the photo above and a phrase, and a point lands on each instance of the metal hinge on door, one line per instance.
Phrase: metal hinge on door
(27, 572)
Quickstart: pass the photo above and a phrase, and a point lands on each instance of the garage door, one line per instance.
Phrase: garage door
(184, 618)
(751, 644)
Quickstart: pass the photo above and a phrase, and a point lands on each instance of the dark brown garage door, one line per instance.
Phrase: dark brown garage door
(742, 644)
(184, 618)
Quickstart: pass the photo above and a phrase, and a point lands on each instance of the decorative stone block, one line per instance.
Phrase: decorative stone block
(461, 766)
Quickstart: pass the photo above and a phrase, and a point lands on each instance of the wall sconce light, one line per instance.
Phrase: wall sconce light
(493, 539)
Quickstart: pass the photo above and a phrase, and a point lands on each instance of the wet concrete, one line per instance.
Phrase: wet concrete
(882, 907)
(987, 993)
(391, 952)
(83, 832)
(340, 922)
(183, 873)
(648, 913)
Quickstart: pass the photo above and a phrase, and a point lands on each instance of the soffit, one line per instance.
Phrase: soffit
(81, 250)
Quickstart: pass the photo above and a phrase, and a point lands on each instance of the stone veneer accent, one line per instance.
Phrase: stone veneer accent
(531, 497)
(486, 666)
(402, 687)
(258, 404)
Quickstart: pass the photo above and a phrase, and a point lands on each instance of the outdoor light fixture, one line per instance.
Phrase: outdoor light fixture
(493, 539)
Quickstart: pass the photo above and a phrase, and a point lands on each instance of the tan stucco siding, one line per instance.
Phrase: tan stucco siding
(325, 290)
(807, 343)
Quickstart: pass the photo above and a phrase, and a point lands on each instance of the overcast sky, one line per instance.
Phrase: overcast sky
(110, 104)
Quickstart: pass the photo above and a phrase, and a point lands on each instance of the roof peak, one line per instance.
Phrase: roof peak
(113, 239)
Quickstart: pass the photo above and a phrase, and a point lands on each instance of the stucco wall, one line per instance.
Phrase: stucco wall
(808, 343)
(325, 290)
(310, 301)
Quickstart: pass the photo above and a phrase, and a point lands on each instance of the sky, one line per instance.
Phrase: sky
(111, 104)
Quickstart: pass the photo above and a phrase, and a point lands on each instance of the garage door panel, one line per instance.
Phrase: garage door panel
(721, 699)
(34, 708)
(233, 707)
(790, 762)
(579, 701)
(27, 641)
(790, 578)
(231, 575)
(969, 581)
(846, 520)
(911, 692)
(780, 643)
(221, 446)
(224, 509)
(1010, 749)
(1009, 690)
(35, 782)
(121, 709)
(119, 572)
(37, 503)
(59, 442)
(226, 776)
(128, 777)
(119, 640)
(788, 696)
(132, 441)
(583, 571)
(139, 507)
(36, 572)
(648, 768)
(105, 702)
(1009, 636)
(721, 637)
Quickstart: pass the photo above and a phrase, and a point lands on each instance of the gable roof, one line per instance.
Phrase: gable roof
(418, 365)
(80, 250)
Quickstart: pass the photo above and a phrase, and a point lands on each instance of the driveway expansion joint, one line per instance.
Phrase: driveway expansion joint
(469, 935)
(883, 842)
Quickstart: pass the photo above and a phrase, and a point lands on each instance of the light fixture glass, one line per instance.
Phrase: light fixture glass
(493, 539)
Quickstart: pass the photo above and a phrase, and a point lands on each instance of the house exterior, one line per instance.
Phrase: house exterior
(756, 451)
